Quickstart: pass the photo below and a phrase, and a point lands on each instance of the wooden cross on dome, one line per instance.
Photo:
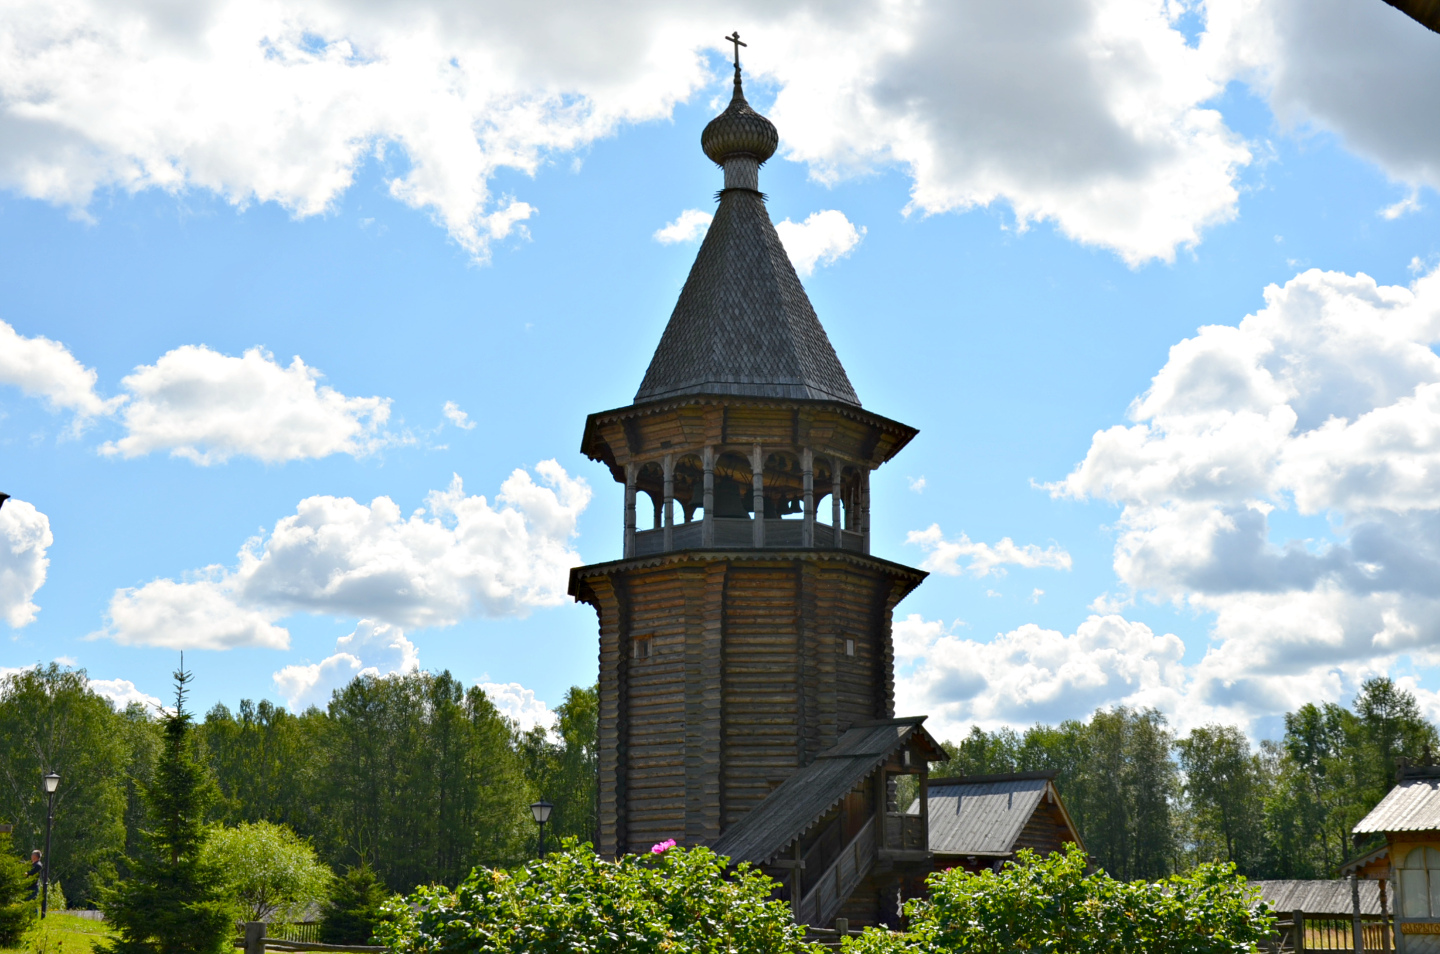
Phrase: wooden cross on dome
(735, 39)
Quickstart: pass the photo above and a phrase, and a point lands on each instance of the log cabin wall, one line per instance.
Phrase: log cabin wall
(721, 674)
(1047, 831)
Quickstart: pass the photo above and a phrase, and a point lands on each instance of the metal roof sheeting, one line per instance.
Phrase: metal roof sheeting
(1413, 805)
(800, 801)
(1319, 897)
(980, 815)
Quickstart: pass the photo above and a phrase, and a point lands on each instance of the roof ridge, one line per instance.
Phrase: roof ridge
(1048, 774)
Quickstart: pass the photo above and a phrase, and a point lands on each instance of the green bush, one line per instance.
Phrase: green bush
(55, 898)
(353, 911)
(1052, 904)
(574, 902)
(271, 872)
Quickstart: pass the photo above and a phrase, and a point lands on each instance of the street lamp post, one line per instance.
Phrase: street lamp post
(541, 810)
(52, 782)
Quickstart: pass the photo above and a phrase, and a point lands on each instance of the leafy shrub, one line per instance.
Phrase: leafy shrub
(354, 909)
(55, 897)
(268, 869)
(573, 902)
(1051, 904)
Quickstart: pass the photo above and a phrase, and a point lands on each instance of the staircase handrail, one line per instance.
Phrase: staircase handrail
(830, 890)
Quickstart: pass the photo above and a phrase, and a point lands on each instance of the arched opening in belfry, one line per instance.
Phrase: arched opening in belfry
(689, 484)
(651, 480)
(784, 486)
(734, 482)
(824, 471)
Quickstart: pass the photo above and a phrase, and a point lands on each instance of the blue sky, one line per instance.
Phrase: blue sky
(1007, 266)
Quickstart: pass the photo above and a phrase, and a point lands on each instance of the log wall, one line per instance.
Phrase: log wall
(723, 673)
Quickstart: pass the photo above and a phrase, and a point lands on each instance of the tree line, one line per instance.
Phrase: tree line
(421, 779)
(412, 774)
(1149, 802)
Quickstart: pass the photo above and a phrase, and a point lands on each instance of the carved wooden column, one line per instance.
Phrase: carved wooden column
(707, 529)
(630, 471)
(757, 468)
(807, 469)
(865, 510)
(924, 802)
(835, 500)
(669, 504)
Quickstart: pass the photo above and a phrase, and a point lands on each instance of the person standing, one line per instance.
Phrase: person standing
(37, 868)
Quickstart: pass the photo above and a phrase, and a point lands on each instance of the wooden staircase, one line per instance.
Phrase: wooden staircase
(827, 893)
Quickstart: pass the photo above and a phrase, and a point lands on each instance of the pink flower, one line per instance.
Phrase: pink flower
(663, 847)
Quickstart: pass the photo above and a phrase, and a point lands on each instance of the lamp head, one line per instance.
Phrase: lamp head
(52, 782)
(541, 810)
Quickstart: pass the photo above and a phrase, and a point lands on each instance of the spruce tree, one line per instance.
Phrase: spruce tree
(354, 907)
(17, 911)
(173, 901)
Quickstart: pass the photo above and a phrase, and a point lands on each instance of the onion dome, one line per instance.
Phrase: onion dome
(739, 131)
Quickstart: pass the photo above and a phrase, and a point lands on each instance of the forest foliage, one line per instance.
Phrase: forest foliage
(1149, 803)
(413, 774)
(421, 779)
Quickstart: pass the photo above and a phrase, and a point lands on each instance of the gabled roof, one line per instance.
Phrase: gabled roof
(803, 798)
(743, 324)
(1319, 897)
(983, 814)
(1412, 805)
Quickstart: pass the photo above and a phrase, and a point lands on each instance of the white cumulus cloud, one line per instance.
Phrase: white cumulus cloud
(24, 537)
(122, 692)
(822, 239)
(1363, 71)
(460, 556)
(377, 649)
(519, 704)
(982, 559)
(1092, 115)
(457, 417)
(689, 226)
(1325, 403)
(195, 614)
(46, 369)
(207, 407)
(1032, 674)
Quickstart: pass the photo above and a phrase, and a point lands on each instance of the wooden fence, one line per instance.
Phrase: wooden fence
(305, 931)
(257, 939)
(1328, 934)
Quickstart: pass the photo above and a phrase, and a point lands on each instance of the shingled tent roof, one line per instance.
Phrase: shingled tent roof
(803, 798)
(744, 325)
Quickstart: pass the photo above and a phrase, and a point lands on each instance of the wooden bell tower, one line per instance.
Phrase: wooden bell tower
(747, 627)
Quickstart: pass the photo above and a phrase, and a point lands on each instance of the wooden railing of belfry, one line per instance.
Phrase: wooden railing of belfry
(254, 941)
(828, 892)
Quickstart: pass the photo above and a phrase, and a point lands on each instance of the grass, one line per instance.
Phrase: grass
(63, 934)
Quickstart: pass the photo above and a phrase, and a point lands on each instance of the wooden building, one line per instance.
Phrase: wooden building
(981, 821)
(746, 666)
(1408, 818)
